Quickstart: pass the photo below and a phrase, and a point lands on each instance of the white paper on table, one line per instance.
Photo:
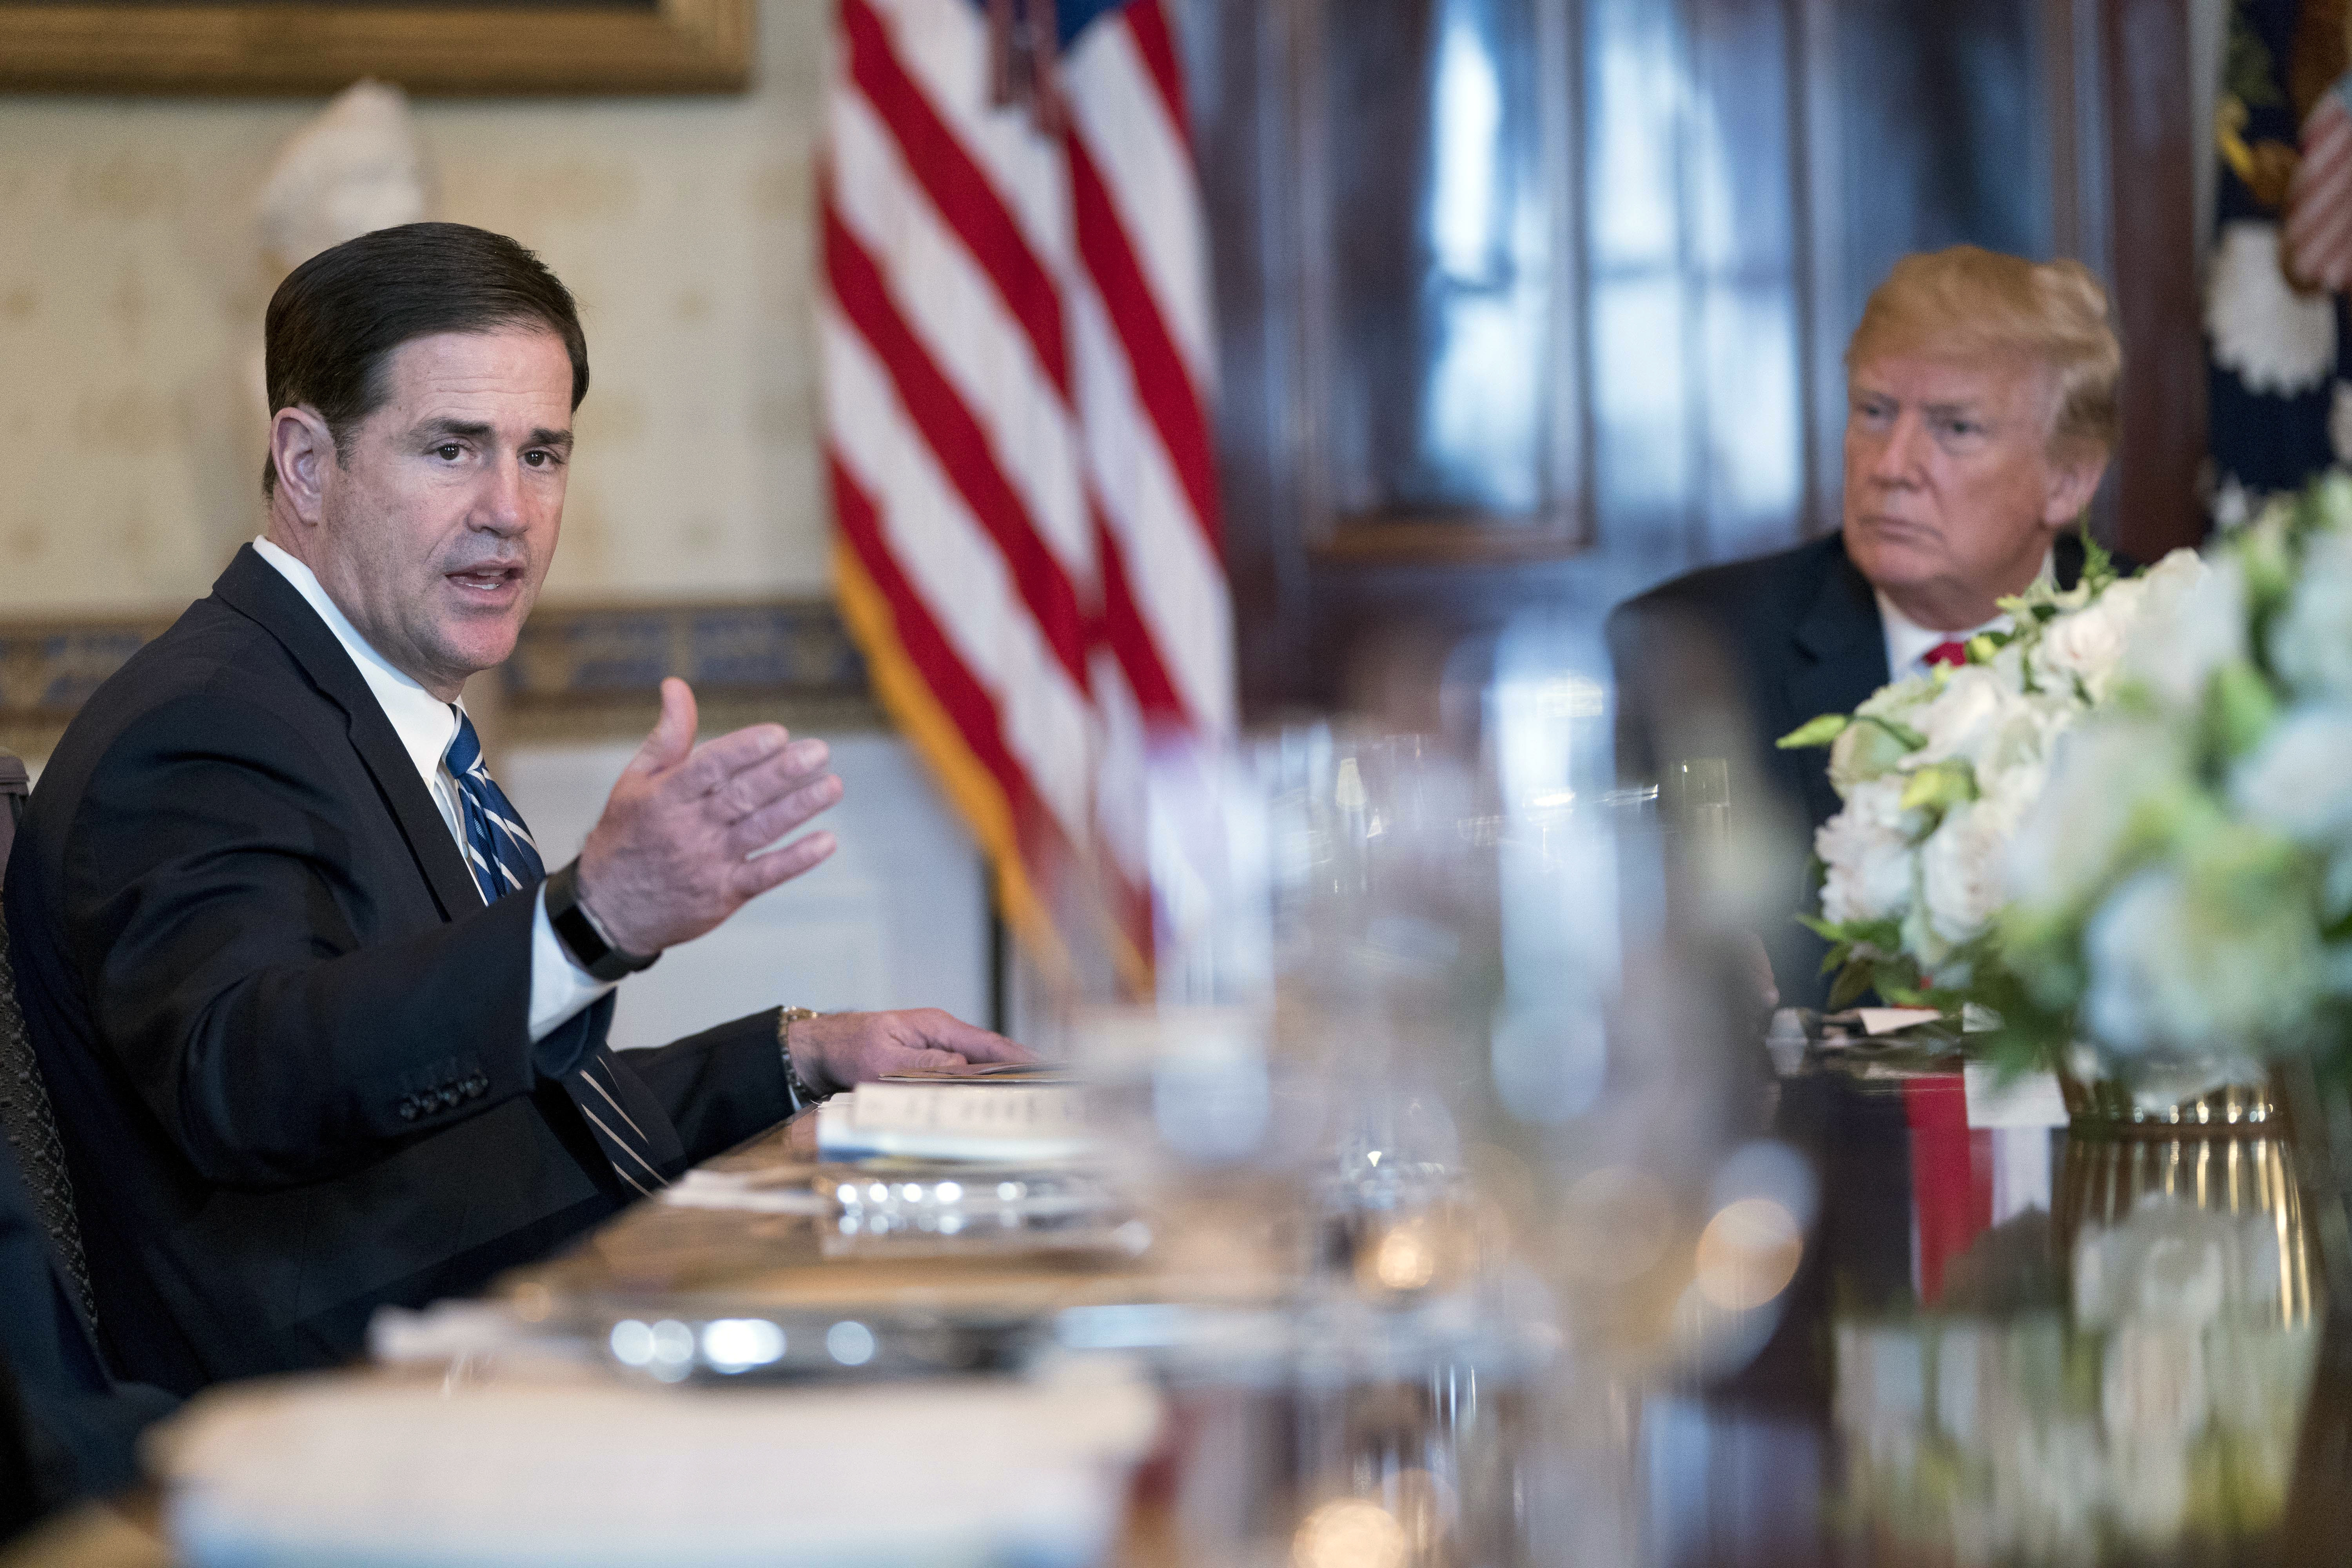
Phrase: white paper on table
(2028, 1100)
(841, 1134)
(1887, 1020)
(2021, 1170)
(732, 1190)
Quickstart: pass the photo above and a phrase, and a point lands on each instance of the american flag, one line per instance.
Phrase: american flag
(2318, 241)
(1017, 352)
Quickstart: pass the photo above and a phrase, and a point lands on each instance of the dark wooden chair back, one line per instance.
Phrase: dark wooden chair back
(25, 1118)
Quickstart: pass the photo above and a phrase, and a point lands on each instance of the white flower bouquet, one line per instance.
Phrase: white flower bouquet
(2182, 890)
(1937, 773)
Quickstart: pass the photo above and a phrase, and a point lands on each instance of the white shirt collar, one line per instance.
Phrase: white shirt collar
(1907, 641)
(425, 723)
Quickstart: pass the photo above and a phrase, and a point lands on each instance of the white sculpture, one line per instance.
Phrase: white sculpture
(354, 169)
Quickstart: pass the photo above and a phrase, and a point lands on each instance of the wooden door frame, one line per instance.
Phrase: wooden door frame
(2153, 160)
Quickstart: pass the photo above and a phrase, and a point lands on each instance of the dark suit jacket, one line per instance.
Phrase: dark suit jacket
(287, 1043)
(1789, 637)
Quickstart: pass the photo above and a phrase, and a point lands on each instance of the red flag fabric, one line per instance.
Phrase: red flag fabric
(2317, 243)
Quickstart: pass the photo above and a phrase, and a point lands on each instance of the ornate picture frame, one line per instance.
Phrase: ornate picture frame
(474, 46)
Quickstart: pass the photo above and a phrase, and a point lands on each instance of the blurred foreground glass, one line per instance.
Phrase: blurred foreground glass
(2143, 1401)
(1449, 1034)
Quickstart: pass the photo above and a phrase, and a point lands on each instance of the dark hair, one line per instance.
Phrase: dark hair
(336, 320)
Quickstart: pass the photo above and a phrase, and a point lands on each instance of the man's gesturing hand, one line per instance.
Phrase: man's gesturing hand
(835, 1050)
(668, 860)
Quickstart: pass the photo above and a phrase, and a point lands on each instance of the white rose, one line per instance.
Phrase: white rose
(2009, 664)
(1960, 869)
(2300, 782)
(2173, 972)
(1966, 717)
(2085, 646)
(1863, 751)
(2165, 582)
(2069, 834)
(1866, 848)
(2188, 628)
(2311, 645)
(2015, 788)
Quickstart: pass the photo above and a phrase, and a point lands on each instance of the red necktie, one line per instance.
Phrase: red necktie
(1954, 654)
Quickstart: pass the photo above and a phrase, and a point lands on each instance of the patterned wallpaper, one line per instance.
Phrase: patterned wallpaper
(131, 287)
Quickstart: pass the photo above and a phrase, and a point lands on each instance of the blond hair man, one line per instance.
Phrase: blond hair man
(1980, 412)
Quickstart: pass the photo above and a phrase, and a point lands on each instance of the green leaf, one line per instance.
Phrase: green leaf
(1940, 786)
(1852, 983)
(1818, 731)
(2098, 565)
(1910, 739)
(2243, 708)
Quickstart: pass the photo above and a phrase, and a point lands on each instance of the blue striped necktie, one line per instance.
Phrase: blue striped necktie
(504, 859)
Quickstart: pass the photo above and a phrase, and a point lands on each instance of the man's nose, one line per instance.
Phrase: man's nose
(498, 504)
(1896, 461)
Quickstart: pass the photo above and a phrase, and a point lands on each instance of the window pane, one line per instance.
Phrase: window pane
(1440, 257)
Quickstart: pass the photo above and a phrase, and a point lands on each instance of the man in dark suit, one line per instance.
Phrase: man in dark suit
(1980, 413)
(322, 1031)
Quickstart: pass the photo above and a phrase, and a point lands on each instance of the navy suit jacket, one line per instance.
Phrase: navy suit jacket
(1790, 636)
(287, 1043)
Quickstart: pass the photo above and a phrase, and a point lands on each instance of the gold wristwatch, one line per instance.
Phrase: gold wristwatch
(794, 1085)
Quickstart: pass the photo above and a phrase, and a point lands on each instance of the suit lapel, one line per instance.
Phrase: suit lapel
(255, 589)
(1841, 646)
(2066, 559)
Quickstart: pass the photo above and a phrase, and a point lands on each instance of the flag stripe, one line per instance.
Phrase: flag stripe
(1179, 581)
(1149, 22)
(1142, 162)
(963, 697)
(955, 309)
(936, 700)
(2316, 238)
(943, 45)
(955, 436)
(964, 196)
(1163, 386)
(1130, 639)
(1042, 716)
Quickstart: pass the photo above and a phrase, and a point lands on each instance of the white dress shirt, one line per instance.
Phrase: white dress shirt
(426, 725)
(1908, 643)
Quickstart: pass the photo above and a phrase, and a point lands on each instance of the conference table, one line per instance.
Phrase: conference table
(2005, 1345)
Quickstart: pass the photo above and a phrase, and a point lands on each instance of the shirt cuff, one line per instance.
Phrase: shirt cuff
(560, 989)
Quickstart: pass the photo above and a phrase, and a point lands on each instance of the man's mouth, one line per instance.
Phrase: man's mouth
(488, 578)
(1900, 528)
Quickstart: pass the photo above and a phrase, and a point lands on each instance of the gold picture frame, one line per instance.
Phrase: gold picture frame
(479, 47)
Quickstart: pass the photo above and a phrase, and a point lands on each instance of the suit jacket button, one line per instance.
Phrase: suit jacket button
(408, 1109)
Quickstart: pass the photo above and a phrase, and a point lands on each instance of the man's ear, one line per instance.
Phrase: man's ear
(300, 448)
(2073, 480)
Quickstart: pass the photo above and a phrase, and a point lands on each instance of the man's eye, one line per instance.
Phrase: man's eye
(448, 451)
